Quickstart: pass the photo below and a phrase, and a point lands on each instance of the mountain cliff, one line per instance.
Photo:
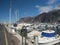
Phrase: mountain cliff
(52, 16)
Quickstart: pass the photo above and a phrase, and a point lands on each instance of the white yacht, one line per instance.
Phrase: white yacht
(48, 37)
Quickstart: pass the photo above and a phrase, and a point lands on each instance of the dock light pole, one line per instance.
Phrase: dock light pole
(24, 33)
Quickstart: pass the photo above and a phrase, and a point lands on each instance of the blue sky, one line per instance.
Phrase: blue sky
(26, 8)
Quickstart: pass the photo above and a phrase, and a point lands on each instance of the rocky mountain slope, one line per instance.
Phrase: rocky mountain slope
(52, 16)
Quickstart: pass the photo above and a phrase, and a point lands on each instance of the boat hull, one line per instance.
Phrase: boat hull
(50, 43)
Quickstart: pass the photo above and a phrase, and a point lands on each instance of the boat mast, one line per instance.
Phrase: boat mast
(10, 13)
(17, 15)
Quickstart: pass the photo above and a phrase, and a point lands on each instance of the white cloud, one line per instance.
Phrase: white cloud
(46, 9)
(51, 2)
(37, 6)
(57, 7)
(51, 5)
(42, 9)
